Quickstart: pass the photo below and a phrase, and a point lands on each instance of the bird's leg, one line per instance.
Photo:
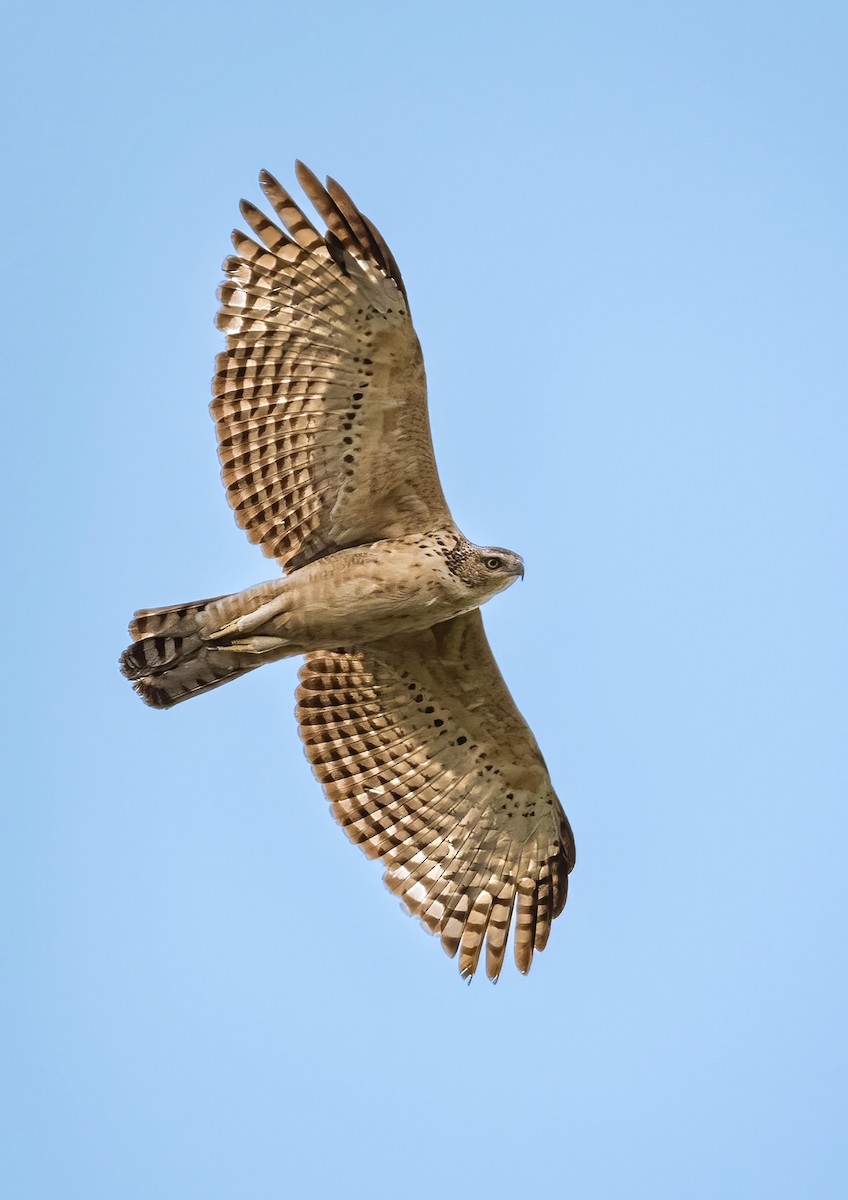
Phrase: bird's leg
(251, 645)
(249, 622)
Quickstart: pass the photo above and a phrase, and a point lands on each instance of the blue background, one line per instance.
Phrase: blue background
(623, 227)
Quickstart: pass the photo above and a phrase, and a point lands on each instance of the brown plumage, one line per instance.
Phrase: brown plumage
(414, 740)
(320, 406)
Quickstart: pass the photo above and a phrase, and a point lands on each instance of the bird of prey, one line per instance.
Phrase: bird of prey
(320, 404)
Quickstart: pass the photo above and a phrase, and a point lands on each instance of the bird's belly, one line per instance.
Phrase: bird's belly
(352, 598)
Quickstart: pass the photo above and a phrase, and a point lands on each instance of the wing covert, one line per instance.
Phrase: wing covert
(320, 399)
(429, 766)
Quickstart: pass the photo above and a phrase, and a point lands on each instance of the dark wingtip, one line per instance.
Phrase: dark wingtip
(304, 175)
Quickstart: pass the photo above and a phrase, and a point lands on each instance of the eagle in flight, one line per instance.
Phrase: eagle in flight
(320, 405)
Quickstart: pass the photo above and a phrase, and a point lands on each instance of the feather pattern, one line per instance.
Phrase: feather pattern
(320, 398)
(429, 766)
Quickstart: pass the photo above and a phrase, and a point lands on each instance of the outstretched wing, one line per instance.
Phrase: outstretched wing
(429, 765)
(320, 397)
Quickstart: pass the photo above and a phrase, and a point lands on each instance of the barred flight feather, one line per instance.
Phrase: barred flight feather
(319, 324)
(464, 845)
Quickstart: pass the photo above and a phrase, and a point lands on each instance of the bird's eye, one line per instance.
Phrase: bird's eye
(494, 563)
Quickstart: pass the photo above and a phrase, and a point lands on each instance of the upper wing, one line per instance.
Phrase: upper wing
(430, 766)
(320, 397)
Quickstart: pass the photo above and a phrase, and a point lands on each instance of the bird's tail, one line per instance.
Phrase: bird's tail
(171, 660)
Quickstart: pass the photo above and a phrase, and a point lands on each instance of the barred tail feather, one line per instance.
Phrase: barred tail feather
(169, 661)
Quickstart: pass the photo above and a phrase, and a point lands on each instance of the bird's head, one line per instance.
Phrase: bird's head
(491, 568)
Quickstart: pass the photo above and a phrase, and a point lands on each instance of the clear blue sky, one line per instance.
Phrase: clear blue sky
(623, 228)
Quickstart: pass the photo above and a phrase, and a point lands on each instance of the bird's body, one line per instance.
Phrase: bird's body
(358, 596)
(351, 597)
(320, 403)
